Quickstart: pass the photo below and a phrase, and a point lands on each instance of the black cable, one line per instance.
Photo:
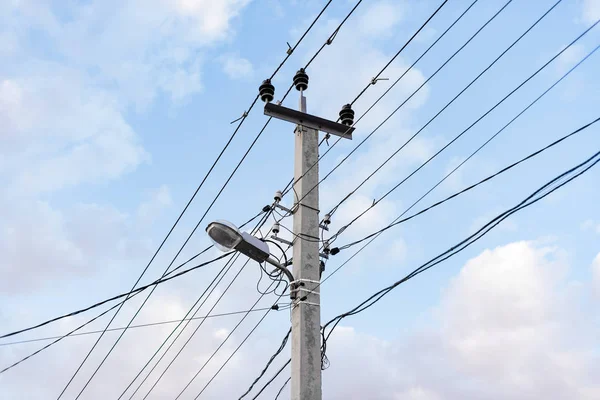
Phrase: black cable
(141, 288)
(195, 330)
(245, 115)
(454, 139)
(174, 321)
(264, 371)
(530, 200)
(443, 109)
(407, 99)
(217, 349)
(283, 387)
(188, 339)
(399, 51)
(292, 182)
(233, 353)
(226, 267)
(398, 221)
(272, 379)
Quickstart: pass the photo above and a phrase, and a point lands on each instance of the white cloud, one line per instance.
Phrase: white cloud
(237, 67)
(590, 225)
(570, 57)
(591, 11)
(507, 327)
(596, 273)
(381, 18)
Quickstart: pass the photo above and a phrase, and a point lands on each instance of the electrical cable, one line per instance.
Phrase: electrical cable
(283, 387)
(272, 379)
(242, 119)
(231, 262)
(530, 200)
(119, 296)
(453, 140)
(396, 222)
(226, 314)
(399, 51)
(408, 98)
(264, 371)
(399, 221)
(216, 350)
(233, 353)
(292, 182)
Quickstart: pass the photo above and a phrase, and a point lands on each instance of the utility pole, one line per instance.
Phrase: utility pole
(304, 289)
(306, 315)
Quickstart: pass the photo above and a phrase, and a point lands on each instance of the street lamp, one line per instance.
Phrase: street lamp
(227, 236)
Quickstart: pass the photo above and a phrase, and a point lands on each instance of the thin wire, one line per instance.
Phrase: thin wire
(244, 116)
(481, 147)
(283, 387)
(272, 379)
(292, 182)
(119, 296)
(398, 221)
(264, 371)
(217, 349)
(442, 109)
(134, 326)
(233, 353)
(457, 137)
(231, 262)
(399, 51)
(530, 200)
(408, 98)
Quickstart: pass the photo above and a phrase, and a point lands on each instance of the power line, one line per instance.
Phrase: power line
(224, 271)
(399, 51)
(468, 188)
(217, 349)
(407, 99)
(272, 379)
(264, 371)
(234, 352)
(283, 387)
(244, 116)
(292, 182)
(195, 331)
(530, 200)
(119, 296)
(455, 138)
(279, 308)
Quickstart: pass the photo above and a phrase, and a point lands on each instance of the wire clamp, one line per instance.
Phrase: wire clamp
(375, 80)
(244, 115)
(289, 50)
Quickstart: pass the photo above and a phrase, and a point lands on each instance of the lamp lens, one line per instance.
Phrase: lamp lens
(224, 237)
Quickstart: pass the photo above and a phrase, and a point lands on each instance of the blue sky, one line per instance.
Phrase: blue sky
(112, 112)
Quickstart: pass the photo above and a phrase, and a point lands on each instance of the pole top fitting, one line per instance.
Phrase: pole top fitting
(301, 80)
(266, 91)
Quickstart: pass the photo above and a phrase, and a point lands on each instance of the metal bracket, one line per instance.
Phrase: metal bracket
(281, 240)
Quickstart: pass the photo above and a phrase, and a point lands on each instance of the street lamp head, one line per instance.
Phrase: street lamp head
(224, 235)
(227, 236)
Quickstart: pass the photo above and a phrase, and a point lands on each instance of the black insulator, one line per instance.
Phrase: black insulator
(301, 80)
(347, 115)
(266, 91)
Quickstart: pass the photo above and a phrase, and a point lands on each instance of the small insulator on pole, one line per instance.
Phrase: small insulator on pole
(327, 219)
(301, 80)
(347, 115)
(278, 196)
(275, 228)
(266, 91)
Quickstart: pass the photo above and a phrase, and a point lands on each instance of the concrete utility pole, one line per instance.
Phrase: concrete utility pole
(306, 311)
(306, 316)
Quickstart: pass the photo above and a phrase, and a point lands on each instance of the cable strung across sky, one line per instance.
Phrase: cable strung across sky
(544, 191)
(456, 137)
(203, 216)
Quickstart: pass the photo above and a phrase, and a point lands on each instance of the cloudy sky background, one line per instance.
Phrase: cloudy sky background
(111, 112)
